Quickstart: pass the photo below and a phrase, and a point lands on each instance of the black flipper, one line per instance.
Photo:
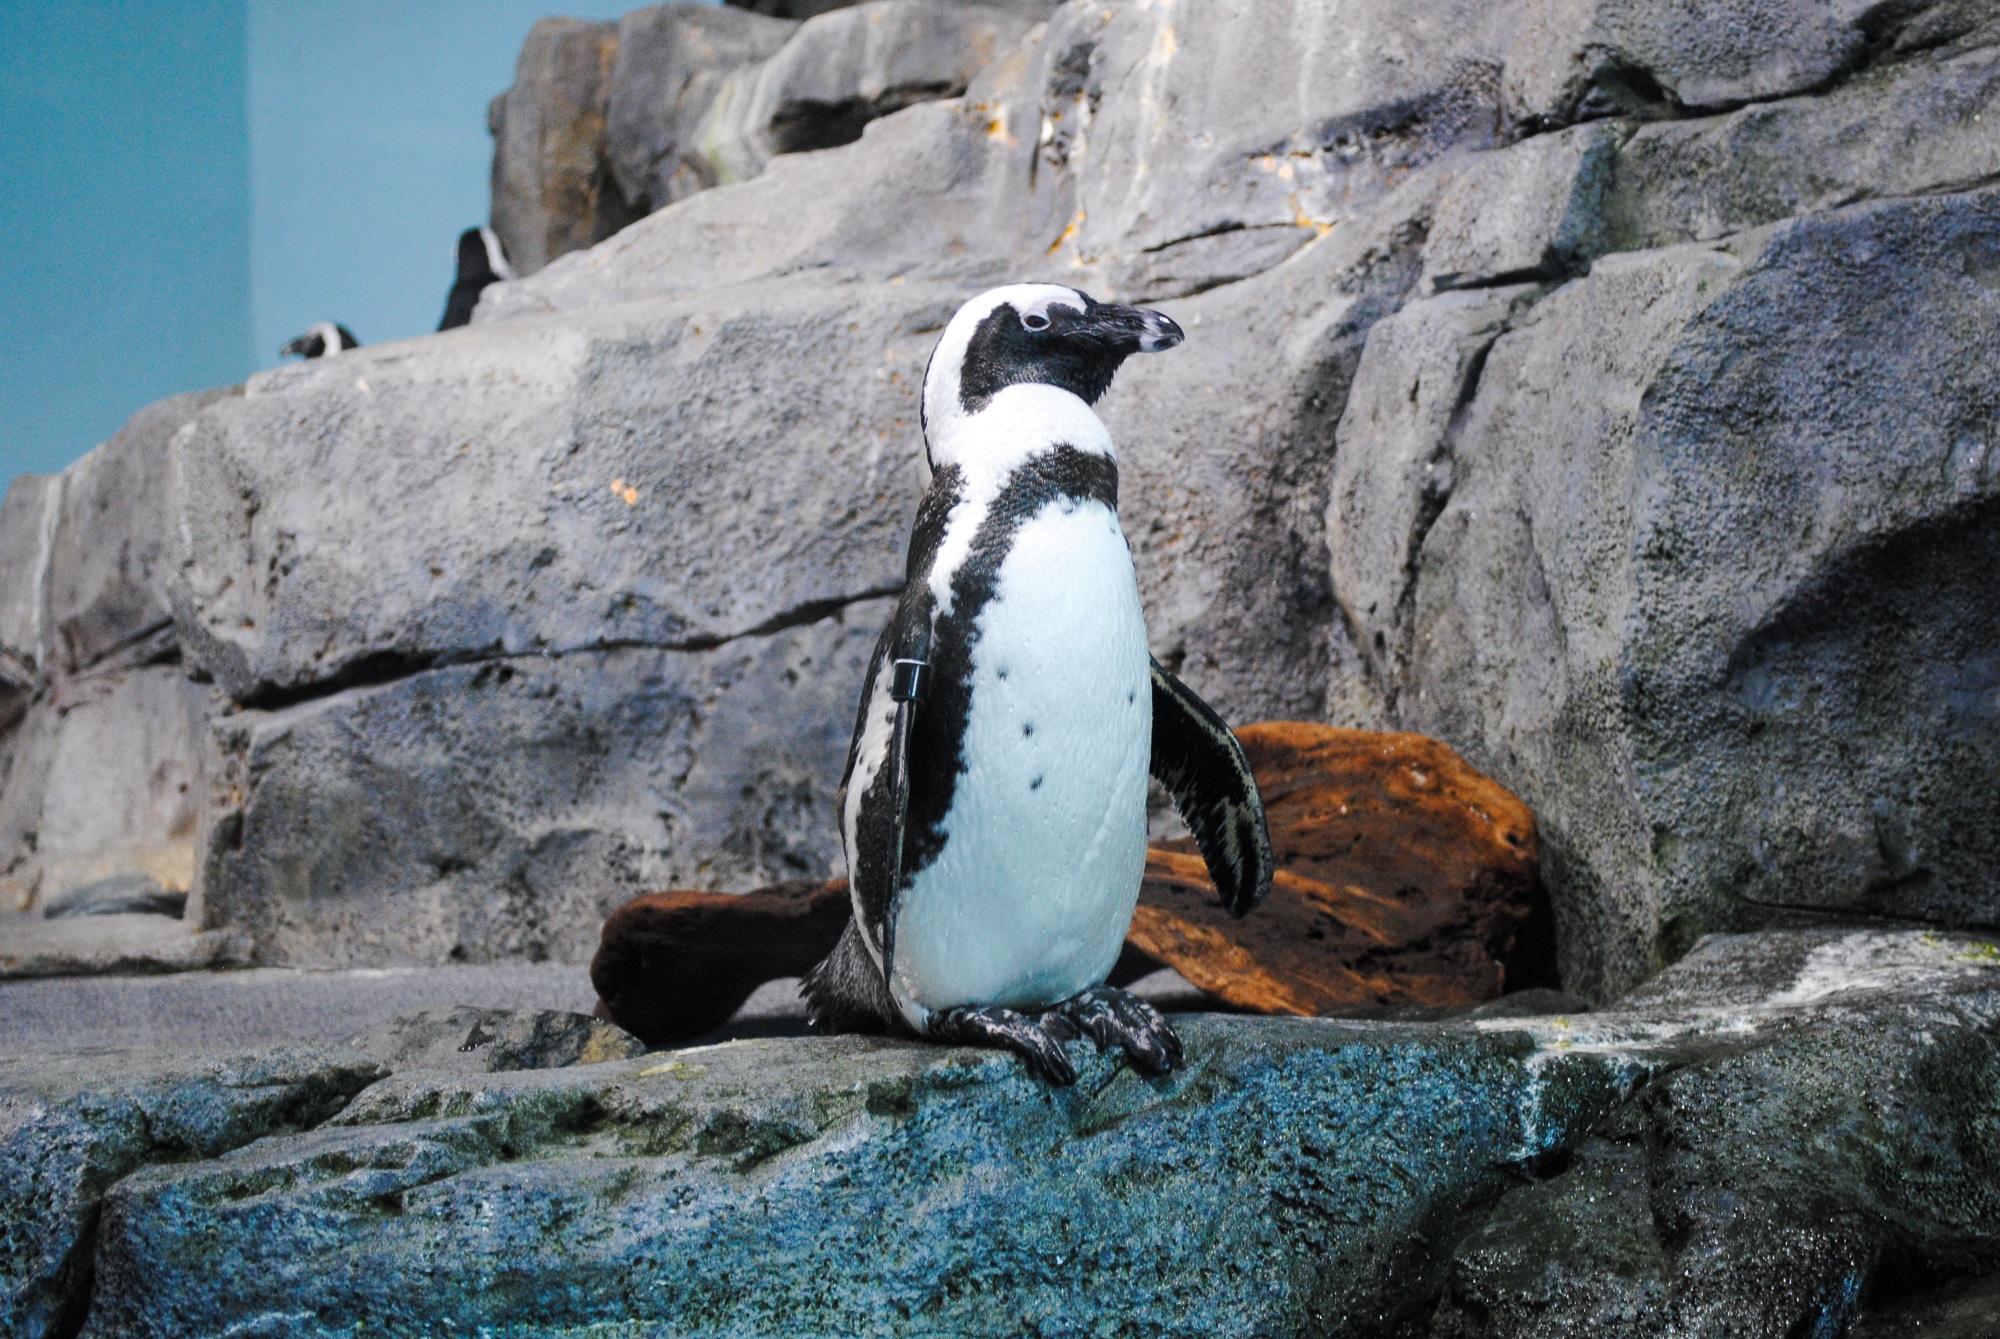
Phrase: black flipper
(1203, 768)
(877, 873)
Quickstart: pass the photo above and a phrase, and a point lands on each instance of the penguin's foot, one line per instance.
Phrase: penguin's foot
(1113, 1017)
(1038, 1041)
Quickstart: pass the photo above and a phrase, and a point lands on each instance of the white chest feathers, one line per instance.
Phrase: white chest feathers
(1045, 841)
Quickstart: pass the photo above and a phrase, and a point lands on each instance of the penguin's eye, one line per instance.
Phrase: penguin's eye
(1035, 321)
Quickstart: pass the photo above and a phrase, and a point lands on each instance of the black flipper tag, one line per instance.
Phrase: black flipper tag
(1203, 767)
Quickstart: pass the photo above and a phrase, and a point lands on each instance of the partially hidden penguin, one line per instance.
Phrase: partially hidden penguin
(993, 809)
(481, 261)
(323, 340)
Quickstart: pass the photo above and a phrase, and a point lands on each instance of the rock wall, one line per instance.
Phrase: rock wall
(104, 758)
(1602, 387)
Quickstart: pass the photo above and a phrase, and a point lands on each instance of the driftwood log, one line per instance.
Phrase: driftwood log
(1404, 878)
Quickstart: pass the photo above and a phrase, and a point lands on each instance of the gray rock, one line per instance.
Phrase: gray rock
(1299, 1175)
(921, 196)
(1954, 1309)
(1690, 495)
(120, 944)
(1533, 210)
(85, 555)
(121, 894)
(552, 187)
(843, 69)
(1572, 59)
(1763, 1189)
(106, 775)
(1393, 471)
(1226, 455)
(72, 1125)
(669, 476)
(27, 520)
(672, 59)
(490, 1041)
(112, 551)
(249, 1007)
(1094, 152)
(503, 809)
(1913, 128)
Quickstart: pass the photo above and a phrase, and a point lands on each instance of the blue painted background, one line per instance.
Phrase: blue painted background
(186, 184)
(124, 215)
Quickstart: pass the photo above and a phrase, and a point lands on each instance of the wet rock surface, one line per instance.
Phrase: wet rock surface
(1780, 1133)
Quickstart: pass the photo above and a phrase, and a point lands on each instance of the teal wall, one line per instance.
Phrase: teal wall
(124, 215)
(184, 184)
(369, 154)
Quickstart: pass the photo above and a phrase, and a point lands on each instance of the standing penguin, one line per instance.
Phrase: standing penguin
(994, 805)
(481, 261)
(323, 340)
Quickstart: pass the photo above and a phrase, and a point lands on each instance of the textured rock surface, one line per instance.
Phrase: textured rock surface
(72, 1125)
(503, 809)
(672, 62)
(1300, 1176)
(116, 896)
(1721, 529)
(843, 69)
(134, 942)
(105, 777)
(634, 478)
(1765, 1189)
(102, 738)
(491, 1041)
(551, 190)
(1601, 387)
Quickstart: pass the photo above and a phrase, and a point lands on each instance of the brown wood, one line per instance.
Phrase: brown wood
(1404, 875)
(674, 965)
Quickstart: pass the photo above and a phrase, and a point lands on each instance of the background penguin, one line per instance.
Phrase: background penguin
(322, 341)
(480, 262)
(994, 806)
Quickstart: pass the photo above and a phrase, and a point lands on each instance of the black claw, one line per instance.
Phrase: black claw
(1038, 1041)
(1113, 1017)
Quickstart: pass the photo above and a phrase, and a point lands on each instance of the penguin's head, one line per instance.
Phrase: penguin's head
(1033, 334)
(323, 340)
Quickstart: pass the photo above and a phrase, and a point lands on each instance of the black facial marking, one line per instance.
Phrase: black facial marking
(1075, 352)
(938, 747)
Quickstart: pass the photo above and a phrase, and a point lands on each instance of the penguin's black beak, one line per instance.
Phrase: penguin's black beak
(1135, 329)
(298, 347)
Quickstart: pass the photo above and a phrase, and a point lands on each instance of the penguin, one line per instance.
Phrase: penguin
(324, 340)
(993, 808)
(481, 261)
